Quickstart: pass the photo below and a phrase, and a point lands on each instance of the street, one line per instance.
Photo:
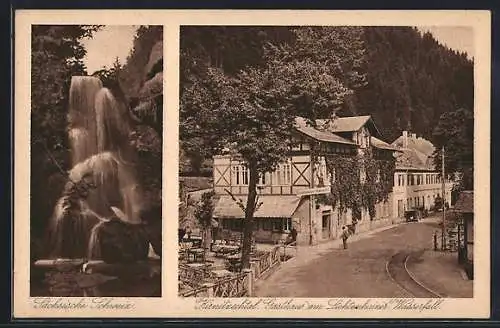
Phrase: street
(359, 271)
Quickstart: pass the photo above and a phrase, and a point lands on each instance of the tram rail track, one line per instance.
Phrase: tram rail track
(397, 270)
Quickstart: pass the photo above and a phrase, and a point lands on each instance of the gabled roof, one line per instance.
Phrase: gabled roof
(412, 159)
(465, 202)
(424, 146)
(377, 143)
(417, 155)
(347, 124)
(325, 136)
(350, 124)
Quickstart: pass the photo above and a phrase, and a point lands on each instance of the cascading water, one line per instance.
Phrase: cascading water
(101, 155)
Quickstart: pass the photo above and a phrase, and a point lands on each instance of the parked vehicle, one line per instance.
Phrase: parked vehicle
(413, 215)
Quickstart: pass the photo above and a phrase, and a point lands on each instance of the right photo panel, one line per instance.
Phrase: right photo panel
(326, 162)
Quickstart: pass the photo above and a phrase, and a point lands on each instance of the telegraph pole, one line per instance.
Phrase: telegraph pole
(443, 191)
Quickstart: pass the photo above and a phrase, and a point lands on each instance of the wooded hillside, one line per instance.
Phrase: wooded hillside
(409, 79)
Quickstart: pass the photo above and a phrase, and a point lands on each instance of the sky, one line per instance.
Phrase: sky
(116, 41)
(459, 38)
(108, 43)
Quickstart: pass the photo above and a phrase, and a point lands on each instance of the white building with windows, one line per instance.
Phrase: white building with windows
(416, 181)
(288, 193)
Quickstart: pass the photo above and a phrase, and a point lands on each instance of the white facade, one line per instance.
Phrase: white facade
(417, 190)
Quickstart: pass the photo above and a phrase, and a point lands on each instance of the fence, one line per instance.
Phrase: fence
(239, 285)
(266, 261)
(192, 277)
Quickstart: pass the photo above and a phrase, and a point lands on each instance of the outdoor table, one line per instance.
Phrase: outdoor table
(220, 273)
(197, 253)
(229, 248)
(196, 265)
(233, 256)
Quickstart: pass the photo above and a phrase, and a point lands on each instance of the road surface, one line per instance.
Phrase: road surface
(359, 271)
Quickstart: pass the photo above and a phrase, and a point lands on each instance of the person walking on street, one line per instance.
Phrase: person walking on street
(345, 235)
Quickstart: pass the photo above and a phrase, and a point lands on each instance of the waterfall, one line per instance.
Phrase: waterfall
(81, 117)
(98, 131)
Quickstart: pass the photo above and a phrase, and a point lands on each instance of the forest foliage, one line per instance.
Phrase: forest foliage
(409, 80)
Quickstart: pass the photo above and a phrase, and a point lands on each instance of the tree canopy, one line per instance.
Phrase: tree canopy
(403, 78)
(250, 114)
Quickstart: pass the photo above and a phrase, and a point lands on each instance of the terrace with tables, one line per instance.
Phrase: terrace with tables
(199, 267)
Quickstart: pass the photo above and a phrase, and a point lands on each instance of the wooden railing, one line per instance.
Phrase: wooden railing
(239, 285)
(192, 277)
(266, 261)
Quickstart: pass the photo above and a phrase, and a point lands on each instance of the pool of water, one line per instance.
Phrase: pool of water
(126, 280)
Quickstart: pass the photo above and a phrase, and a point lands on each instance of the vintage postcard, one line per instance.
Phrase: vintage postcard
(301, 164)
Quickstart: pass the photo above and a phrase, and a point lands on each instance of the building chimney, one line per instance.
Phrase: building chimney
(405, 139)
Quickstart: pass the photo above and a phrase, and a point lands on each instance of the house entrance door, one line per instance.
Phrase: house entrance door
(400, 208)
(326, 226)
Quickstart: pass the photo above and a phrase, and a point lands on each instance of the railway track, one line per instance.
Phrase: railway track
(397, 270)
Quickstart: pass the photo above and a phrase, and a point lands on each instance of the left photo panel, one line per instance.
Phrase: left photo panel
(96, 160)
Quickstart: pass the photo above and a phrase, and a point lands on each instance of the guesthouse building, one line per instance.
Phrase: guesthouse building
(417, 183)
(288, 196)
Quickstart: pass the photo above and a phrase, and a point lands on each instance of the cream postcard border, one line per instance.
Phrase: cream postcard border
(170, 305)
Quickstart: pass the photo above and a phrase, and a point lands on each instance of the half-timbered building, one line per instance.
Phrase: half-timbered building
(288, 194)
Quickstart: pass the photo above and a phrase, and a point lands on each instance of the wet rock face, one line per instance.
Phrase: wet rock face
(154, 232)
(152, 218)
(118, 242)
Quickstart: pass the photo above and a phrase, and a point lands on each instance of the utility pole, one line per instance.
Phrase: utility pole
(443, 191)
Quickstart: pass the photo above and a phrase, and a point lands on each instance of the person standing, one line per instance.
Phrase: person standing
(345, 236)
(293, 235)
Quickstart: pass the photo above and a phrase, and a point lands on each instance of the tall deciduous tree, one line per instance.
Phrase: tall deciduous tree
(455, 131)
(203, 213)
(251, 114)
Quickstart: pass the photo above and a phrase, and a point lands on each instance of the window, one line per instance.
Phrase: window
(267, 224)
(240, 175)
(236, 224)
(287, 224)
(262, 179)
(378, 175)
(306, 146)
(332, 175)
(236, 174)
(244, 175)
(256, 225)
(232, 224)
(282, 176)
(278, 224)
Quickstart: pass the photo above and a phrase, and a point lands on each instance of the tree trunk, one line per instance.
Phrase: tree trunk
(208, 237)
(248, 223)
